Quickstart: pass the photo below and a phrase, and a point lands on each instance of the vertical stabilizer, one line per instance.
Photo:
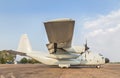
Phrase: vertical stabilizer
(24, 44)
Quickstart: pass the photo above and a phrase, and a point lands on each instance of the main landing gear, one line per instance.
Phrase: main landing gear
(64, 65)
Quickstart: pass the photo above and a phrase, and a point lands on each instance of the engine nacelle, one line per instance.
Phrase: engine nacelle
(75, 49)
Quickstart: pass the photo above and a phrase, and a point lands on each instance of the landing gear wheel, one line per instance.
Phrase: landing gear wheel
(98, 66)
(64, 65)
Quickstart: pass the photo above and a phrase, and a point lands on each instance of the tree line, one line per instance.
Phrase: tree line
(8, 57)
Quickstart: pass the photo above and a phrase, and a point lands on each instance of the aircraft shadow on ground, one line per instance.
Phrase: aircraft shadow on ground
(73, 67)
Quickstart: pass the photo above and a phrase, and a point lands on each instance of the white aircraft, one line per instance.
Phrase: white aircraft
(61, 52)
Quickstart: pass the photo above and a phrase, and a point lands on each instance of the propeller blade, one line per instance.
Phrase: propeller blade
(86, 46)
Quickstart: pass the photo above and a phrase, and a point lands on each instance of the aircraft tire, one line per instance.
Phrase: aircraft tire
(98, 67)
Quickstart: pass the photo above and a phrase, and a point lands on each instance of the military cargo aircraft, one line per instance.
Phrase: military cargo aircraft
(61, 52)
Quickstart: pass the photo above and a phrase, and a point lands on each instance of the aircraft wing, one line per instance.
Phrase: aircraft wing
(60, 32)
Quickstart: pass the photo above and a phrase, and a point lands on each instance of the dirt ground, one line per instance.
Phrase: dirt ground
(43, 71)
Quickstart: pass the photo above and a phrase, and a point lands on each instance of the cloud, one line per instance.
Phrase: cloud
(104, 34)
(107, 31)
(104, 21)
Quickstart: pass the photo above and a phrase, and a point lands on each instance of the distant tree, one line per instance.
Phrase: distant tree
(24, 60)
(6, 57)
(2, 60)
(32, 61)
(107, 60)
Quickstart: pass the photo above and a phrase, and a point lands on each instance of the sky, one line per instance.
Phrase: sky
(98, 21)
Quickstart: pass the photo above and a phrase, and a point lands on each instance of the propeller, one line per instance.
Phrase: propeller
(86, 49)
(86, 46)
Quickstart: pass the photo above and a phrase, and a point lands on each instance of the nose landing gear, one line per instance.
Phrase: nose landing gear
(98, 66)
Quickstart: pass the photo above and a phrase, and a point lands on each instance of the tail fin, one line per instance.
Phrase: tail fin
(24, 44)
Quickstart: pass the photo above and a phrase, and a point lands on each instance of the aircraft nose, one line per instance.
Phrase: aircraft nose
(107, 60)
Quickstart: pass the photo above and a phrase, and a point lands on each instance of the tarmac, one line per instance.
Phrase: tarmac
(44, 71)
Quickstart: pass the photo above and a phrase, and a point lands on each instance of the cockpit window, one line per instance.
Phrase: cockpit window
(100, 54)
